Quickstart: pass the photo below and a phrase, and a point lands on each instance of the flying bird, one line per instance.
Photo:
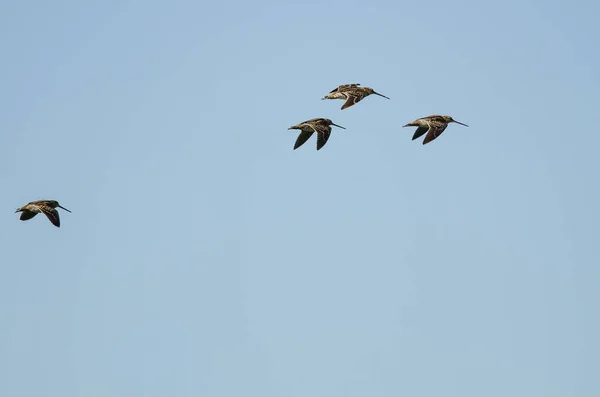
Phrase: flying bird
(351, 93)
(321, 126)
(46, 207)
(432, 125)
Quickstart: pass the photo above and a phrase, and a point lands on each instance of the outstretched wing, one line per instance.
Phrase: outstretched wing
(27, 215)
(323, 134)
(419, 132)
(304, 136)
(51, 214)
(351, 99)
(344, 87)
(435, 130)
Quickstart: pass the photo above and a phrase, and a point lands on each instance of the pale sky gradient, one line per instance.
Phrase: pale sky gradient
(205, 257)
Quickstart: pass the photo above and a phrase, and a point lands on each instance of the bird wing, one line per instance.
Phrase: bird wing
(323, 134)
(435, 130)
(27, 215)
(343, 87)
(351, 99)
(419, 132)
(51, 214)
(304, 136)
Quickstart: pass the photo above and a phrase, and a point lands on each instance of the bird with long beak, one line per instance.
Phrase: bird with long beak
(432, 125)
(309, 127)
(46, 207)
(351, 93)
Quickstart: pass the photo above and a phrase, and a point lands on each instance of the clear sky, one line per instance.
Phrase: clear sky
(205, 257)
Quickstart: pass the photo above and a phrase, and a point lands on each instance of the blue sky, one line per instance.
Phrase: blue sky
(204, 257)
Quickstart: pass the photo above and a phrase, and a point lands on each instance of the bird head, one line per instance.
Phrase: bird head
(329, 122)
(449, 119)
(54, 204)
(60, 206)
(372, 91)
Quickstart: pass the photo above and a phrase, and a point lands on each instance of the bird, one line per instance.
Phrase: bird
(432, 125)
(46, 207)
(352, 93)
(319, 125)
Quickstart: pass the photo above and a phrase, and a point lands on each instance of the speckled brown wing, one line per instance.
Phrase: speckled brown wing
(27, 215)
(351, 99)
(435, 130)
(51, 214)
(343, 87)
(323, 134)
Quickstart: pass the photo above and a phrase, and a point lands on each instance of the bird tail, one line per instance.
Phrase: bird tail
(335, 95)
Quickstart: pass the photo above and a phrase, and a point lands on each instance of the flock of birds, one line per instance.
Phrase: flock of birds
(352, 94)
(433, 126)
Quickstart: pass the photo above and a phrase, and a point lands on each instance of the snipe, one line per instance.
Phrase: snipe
(321, 126)
(351, 93)
(46, 207)
(432, 125)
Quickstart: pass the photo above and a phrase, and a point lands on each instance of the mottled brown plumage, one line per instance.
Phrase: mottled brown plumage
(432, 125)
(344, 87)
(351, 93)
(320, 126)
(46, 207)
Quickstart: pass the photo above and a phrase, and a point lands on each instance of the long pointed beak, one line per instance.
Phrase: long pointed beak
(376, 93)
(60, 206)
(339, 126)
(18, 209)
(458, 122)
